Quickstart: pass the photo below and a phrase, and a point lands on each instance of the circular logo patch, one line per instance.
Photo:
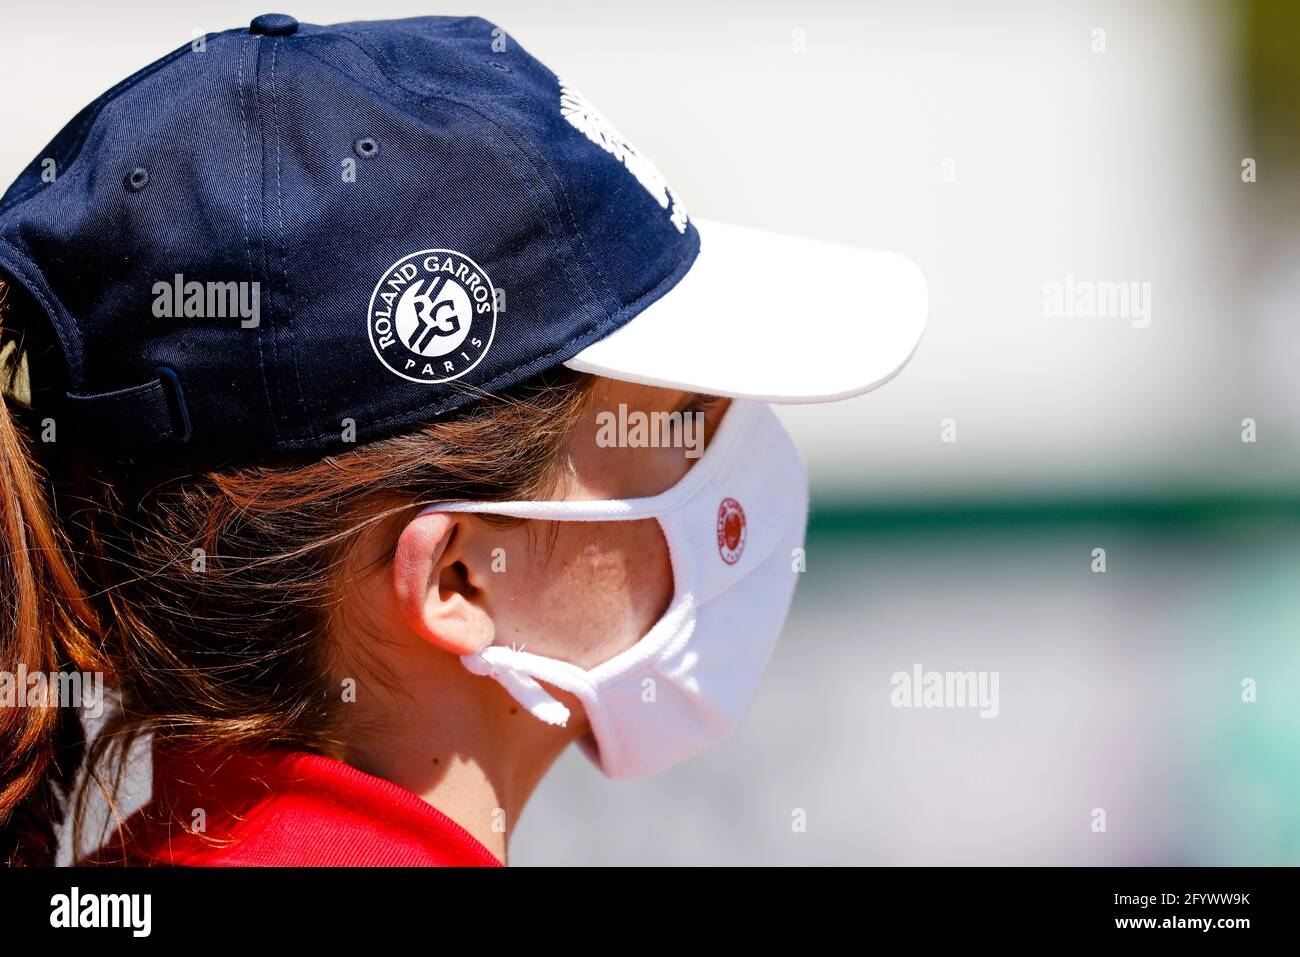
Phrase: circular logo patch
(432, 316)
(731, 530)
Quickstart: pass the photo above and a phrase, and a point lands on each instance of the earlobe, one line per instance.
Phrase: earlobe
(437, 590)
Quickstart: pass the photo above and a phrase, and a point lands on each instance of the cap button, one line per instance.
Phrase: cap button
(274, 25)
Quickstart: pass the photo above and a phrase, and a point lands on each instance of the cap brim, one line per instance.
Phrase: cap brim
(777, 318)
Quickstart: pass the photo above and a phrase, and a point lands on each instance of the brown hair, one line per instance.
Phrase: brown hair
(205, 598)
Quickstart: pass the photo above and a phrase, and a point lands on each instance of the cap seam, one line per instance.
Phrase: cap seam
(266, 328)
(540, 168)
(290, 333)
(573, 238)
(65, 327)
(97, 108)
(564, 208)
(245, 43)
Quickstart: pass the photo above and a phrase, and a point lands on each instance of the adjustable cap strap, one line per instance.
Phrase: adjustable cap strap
(137, 415)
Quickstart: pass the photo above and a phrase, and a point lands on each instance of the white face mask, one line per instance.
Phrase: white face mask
(733, 525)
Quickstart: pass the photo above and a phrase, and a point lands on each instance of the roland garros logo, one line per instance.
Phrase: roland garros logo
(731, 530)
(432, 316)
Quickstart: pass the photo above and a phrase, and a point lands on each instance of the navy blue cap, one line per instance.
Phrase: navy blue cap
(265, 235)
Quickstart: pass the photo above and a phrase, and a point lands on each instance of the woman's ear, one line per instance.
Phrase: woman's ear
(440, 595)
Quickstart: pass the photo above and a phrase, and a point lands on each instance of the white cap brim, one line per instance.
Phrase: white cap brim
(760, 315)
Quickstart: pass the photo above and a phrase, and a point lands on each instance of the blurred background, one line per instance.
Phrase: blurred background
(1006, 147)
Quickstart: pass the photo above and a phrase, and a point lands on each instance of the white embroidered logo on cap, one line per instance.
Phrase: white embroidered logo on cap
(575, 108)
(432, 316)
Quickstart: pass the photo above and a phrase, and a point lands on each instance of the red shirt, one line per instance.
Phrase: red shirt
(284, 807)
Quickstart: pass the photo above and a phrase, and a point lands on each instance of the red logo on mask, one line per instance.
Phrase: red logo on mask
(731, 530)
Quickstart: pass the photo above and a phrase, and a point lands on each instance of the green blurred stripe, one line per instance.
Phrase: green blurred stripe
(832, 516)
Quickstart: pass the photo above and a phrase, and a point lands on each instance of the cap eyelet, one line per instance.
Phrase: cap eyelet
(137, 179)
(498, 65)
(366, 147)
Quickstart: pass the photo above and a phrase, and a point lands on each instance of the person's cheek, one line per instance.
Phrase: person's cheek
(587, 591)
(648, 582)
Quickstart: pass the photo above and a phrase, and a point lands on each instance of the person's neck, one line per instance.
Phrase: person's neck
(462, 744)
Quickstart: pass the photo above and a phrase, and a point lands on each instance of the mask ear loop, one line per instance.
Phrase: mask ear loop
(522, 687)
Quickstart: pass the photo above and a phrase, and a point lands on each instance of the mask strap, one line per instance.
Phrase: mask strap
(599, 510)
(493, 662)
(740, 420)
